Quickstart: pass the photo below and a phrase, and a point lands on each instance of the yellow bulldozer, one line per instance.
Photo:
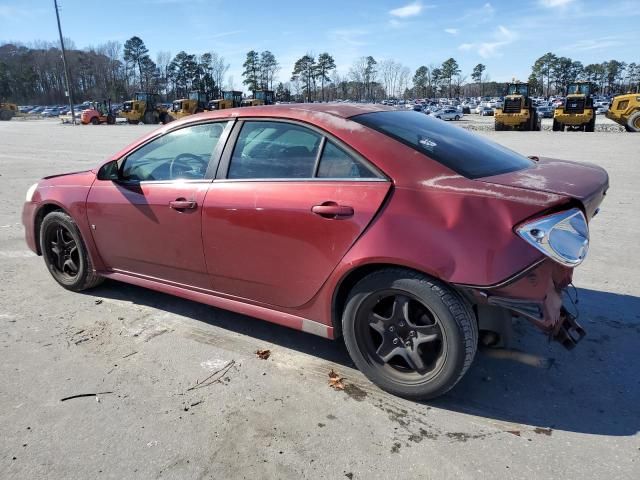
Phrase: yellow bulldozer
(577, 112)
(625, 110)
(8, 111)
(230, 99)
(145, 108)
(517, 112)
(196, 103)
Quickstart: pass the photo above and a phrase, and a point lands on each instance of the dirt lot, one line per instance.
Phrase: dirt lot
(278, 418)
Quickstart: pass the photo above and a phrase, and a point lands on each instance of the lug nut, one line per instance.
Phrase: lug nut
(395, 341)
(412, 333)
(391, 329)
(402, 324)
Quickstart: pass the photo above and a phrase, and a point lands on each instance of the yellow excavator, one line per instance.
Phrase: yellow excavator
(625, 111)
(517, 112)
(230, 99)
(8, 111)
(577, 112)
(196, 103)
(145, 108)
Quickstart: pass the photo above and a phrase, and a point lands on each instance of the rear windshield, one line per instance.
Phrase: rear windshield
(463, 152)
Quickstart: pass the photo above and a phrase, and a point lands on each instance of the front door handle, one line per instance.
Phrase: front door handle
(181, 204)
(332, 210)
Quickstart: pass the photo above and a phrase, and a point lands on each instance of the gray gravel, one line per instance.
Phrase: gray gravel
(278, 418)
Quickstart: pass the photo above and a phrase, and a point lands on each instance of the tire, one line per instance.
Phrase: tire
(95, 121)
(633, 122)
(59, 232)
(556, 126)
(537, 122)
(149, 118)
(133, 122)
(111, 120)
(5, 115)
(457, 118)
(498, 127)
(433, 313)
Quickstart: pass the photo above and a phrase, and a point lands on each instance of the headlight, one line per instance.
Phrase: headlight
(31, 191)
(563, 236)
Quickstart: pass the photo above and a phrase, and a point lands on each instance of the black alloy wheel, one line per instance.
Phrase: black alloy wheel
(410, 334)
(65, 253)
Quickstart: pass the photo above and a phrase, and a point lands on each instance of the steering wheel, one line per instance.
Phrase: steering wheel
(182, 165)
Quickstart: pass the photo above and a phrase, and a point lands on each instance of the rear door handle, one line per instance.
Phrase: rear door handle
(182, 204)
(332, 210)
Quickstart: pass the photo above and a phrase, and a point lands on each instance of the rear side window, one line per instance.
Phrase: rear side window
(336, 163)
(468, 154)
(274, 150)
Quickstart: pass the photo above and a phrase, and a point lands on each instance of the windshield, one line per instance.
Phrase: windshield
(518, 89)
(578, 88)
(466, 153)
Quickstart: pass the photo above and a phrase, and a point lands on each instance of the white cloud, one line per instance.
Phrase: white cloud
(349, 36)
(409, 10)
(502, 37)
(594, 44)
(452, 31)
(555, 3)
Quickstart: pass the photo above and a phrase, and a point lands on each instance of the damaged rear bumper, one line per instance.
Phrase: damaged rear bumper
(537, 295)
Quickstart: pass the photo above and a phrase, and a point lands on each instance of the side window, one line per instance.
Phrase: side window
(182, 154)
(274, 150)
(336, 163)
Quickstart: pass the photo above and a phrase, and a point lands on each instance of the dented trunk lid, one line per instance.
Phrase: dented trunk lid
(584, 182)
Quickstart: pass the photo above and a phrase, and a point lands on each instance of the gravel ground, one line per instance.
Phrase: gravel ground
(278, 418)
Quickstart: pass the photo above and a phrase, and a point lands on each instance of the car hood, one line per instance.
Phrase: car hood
(584, 182)
(82, 178)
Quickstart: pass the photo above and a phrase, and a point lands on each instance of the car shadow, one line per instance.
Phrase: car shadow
(593, 389)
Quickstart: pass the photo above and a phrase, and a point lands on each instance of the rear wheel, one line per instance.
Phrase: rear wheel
(94, 121)
(65, 254)
(556, 126)
(149, 118)
(111, 120)
(5, 115)
(411, 335)
(633, 123)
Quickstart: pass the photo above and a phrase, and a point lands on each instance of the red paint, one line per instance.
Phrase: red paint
(258, 248)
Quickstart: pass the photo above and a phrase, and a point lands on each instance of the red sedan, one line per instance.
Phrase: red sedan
(403, 234)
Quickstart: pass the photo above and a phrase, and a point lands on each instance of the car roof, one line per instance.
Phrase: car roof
(342, 110)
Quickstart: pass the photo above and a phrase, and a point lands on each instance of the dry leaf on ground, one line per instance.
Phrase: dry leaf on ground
(335, 380)
(263, 354)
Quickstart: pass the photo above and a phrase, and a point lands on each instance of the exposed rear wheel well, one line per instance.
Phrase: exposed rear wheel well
(43, 212)
(346, 285)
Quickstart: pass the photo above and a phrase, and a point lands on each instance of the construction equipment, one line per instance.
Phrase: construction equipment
(260, 97)
(577, 112)
(145, 108)
(8, 111)
(625, 110)
(196, 103)
(230, 99)
(97, 113)
(518, 111)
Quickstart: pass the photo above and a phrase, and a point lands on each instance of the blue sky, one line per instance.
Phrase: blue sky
(507, 36)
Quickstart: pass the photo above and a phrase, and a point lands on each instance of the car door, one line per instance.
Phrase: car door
(148, 221)
(286, 206)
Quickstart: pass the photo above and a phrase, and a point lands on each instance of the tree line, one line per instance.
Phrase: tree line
(34, 74)
(551, 73)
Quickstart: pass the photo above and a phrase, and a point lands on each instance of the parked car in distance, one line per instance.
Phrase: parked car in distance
(486, 111)
(339, 220)
(545, 112)
(602, 109)
(50, 112)
(479, 109)
(447, 114)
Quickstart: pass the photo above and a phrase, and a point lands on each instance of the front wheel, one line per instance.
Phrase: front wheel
(409, 334)
(65, 254)
(633, 123)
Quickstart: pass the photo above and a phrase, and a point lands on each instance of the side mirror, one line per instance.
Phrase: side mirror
(109, 171)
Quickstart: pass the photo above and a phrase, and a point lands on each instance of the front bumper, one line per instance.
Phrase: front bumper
(512, 119)
(28, 220)
(537, 295)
